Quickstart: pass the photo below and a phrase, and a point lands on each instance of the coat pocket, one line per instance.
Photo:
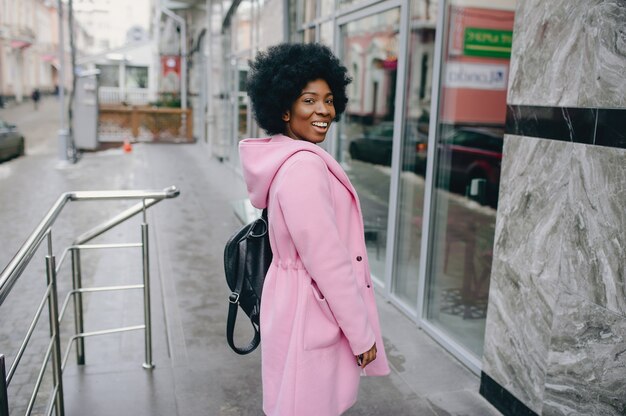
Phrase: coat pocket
(320, 327)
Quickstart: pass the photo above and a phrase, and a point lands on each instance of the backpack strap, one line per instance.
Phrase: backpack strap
(233, 307)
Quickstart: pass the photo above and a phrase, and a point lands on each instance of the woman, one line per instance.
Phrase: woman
(319, 323)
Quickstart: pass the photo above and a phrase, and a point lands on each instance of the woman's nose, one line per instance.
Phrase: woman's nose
(322, 109)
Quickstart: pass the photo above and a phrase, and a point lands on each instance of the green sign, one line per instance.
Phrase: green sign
(489, 43)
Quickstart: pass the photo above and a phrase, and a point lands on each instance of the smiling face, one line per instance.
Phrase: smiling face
(311, 114)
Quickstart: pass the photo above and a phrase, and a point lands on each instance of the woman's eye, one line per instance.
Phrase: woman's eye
(330, 102)
(308, 100)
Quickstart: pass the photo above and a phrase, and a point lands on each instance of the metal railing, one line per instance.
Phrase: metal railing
(115, 95)
(17, 265)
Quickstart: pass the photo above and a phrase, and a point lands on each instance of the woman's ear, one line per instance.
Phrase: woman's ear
(286, 116)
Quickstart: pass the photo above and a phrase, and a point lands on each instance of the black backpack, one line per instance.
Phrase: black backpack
(247, 256)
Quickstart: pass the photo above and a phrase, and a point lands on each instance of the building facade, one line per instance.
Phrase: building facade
(29, 47)
(113, 23)
(26, 48)
(460, 137)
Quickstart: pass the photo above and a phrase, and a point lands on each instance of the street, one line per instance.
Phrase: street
(195, 371)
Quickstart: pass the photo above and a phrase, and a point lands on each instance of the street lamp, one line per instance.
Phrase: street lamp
(63, 133)
(183, 63)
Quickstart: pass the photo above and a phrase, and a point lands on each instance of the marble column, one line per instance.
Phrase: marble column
(555, 340)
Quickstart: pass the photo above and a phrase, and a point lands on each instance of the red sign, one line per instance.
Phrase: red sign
(170, 73)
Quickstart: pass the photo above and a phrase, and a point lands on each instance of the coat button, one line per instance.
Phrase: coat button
(359, 258)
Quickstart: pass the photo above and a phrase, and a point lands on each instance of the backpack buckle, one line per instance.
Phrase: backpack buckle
(234, 297)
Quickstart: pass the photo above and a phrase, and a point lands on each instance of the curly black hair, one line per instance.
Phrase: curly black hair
(278, 75)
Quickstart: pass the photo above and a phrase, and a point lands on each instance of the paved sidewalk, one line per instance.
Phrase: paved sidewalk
(195, 373)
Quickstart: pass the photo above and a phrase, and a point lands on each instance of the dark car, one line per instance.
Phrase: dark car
(376, 143)
(11, 141)
(469, 153)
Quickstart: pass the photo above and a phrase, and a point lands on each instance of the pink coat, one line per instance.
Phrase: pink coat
(318, 309)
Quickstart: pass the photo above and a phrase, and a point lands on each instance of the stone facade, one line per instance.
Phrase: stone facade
(556, 325)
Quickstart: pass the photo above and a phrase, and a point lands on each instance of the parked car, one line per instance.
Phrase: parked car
(468, 153)
(11, 141)
(376, 143)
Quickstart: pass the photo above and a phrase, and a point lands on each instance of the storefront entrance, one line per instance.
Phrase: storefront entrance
(428, 184)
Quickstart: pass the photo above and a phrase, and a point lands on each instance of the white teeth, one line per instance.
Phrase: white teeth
(320, 124)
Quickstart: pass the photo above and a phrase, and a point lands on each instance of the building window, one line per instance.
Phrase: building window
(109, 75)
(136, 77)
(469, 142)
(369, 51)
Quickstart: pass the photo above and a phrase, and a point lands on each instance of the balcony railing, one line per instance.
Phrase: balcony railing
(130, 96)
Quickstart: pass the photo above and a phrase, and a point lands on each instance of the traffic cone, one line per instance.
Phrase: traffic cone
(127, 146)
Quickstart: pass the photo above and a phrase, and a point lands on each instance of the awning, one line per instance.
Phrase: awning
(51, 59)
(20, 44)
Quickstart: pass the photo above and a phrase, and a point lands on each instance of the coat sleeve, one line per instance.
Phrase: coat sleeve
(305, 198)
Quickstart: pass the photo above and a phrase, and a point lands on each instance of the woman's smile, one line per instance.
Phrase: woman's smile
(311, 114)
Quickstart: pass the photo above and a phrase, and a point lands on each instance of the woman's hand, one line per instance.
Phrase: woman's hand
(367, 357)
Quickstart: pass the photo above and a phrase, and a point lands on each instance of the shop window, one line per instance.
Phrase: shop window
(309, 35)
(136, 77)
(369, 51)
(326, 33)
(469, 138)
(109, 75)
(326, 7)
(309, 10)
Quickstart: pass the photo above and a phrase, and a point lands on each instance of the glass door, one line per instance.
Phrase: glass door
(468, 151)
(410, 204)
(368, 47)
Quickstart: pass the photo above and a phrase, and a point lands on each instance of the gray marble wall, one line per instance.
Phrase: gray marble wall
(556, 323)
(569, 53)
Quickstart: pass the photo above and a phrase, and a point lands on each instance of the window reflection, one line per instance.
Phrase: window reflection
(309, 10)
(242, 105)
(414, 150)
(309, 35)
(326, 33)
(467, 170)
(369, 49)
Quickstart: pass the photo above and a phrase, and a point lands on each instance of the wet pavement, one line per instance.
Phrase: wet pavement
(195, 372)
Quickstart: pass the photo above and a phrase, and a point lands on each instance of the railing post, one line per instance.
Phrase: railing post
(146, 295)
(4, 394)
(53, 309)
(77, 284)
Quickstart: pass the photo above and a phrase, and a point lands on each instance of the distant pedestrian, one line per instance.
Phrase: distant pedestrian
(319, 323)
(36, 95)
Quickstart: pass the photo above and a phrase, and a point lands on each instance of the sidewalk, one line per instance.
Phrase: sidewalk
(196, 373)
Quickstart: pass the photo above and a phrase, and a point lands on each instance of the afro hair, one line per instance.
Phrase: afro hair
(278, 75)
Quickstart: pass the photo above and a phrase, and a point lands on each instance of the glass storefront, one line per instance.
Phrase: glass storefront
(472, 106)
(427, 172)
(238, 51)
(413, 169)
(369, 49)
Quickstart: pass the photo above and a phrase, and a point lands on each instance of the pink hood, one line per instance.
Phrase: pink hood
(262, 158)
